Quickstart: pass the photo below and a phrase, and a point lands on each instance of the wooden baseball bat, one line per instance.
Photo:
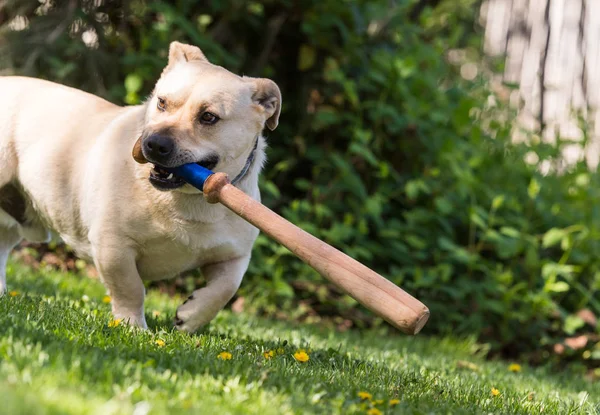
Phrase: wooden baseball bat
(376, 293)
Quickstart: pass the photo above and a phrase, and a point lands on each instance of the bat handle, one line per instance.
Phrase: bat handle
(192, 173)
(370, 289)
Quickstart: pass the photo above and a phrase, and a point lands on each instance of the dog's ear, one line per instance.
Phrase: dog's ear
(267, 95)
(179, 52)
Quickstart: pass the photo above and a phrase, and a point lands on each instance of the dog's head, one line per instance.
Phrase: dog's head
(202, 113)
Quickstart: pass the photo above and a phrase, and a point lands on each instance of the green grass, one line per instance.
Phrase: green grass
(58, 355)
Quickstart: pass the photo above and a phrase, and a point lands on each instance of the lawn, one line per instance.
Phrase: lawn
(60, 354)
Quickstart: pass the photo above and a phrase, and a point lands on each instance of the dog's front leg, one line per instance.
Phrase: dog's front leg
(222, 281)
(118, 271)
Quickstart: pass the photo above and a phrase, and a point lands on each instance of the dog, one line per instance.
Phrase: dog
(94, 173)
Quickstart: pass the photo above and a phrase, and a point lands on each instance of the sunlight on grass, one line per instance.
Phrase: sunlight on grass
(60, 354)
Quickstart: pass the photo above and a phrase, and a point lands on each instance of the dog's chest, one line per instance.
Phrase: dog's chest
(191, 248)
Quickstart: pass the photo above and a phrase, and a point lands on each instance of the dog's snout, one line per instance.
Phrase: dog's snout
(158, 148)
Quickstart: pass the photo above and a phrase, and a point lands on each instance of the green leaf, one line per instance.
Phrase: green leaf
(302, 184)
(415, 241)
(497, 202)
(306, 57)
(558, 287)
(350, 90)
(443, 205)
(373, 206)
(412, 189)
(133, 83)
(582, 180)
(270, 187)
(132, 98)
(511, 232)
(553, 237)
(204, 20)
(572, 324)
(364, 152)
(566, 243)
(478, 220)
(325, 117)
(553, 269)
(283, 289)
(255, 8)
(533, 189)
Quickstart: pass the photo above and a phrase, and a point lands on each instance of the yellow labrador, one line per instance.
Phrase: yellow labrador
(66, 165)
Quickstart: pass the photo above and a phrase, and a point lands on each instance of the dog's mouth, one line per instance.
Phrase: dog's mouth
(162, 179)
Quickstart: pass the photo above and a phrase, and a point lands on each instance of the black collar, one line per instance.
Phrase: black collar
(246, 167)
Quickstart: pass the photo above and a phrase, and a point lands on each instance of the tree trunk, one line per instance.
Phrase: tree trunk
(552, 50)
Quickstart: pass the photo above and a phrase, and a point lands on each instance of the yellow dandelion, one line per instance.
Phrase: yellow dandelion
(224, 356)
(365, 395)
(114, 323)
(514, 367)
(269, 354)
(301, 356)
(495, 392)
(155, 313)
(106, 299)
(394, 402)
(374, 411)
(160, 343)
(377, 401)
(13, 293)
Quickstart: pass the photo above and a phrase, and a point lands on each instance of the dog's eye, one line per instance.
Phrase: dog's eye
(208, 118)
(162, 104)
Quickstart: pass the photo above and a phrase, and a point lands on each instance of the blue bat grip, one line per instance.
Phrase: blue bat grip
(192, 173)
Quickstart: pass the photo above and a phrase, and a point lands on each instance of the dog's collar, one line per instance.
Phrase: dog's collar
(246, 167)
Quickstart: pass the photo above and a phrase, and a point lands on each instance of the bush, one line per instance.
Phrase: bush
(384, 151)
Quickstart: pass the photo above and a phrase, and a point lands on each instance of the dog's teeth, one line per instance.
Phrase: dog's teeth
(170, 176)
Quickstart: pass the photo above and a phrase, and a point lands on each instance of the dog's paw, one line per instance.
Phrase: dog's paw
(190, 316)
(185, 327)
(133, 321)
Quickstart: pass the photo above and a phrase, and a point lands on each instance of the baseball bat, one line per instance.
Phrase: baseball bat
(373, 291)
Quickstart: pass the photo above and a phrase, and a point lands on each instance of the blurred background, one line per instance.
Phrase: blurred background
(448, 144)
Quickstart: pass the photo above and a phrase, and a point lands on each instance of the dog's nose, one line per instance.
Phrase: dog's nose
(158, 147)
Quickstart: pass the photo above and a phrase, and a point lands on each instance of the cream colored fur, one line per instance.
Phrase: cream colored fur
(70, 153)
